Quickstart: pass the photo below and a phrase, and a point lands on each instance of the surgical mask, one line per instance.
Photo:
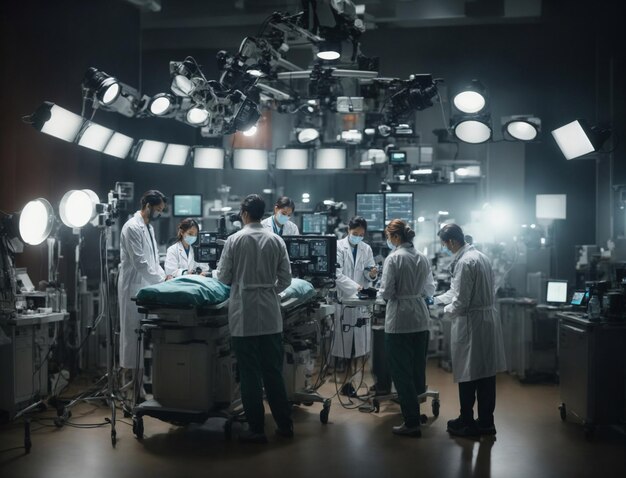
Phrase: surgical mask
(354, 240)
(190, 239)
(390, 245)
(282, 219)
(154, 214)
(446, 251)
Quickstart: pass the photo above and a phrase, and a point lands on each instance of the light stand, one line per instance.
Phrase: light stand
(111, 391)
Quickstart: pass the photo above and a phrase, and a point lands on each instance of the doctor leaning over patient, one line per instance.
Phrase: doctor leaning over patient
(180, 258)
(256, 266)
(476, 336)
(139, 267)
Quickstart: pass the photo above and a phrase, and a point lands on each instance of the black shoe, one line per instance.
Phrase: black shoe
(403, 430)
(285, 432)
(248, 436)
(485, 429)
(461, 428)
(348, 390)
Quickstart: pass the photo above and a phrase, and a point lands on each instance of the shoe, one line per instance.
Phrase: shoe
(348, 390)
(461, 428)
(403, 430)
(485, 429)
(248, 436)
(285, 432)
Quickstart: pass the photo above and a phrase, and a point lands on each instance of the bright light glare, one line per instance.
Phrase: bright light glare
(471, 131)
(307, 135)
(251, 131)
(306, 200)
(328, 55)
(306, 195)
(421, 219)
(197, 115)
(36, 221)
(78, 207)
(422, 172)
(499, 216)
(111, 93)
(255, 72)
(522, 130)
(160, 105)
(469, 102)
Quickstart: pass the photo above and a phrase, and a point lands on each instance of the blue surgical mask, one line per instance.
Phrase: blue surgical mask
(390, 245)
(354, 240)
(446, 251)
(282, 219)
(190, 239)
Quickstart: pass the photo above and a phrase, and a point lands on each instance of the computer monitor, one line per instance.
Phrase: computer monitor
(556, 292)
(398, 206)
(314, 223)
(208, 250)
(312, 256)
(371, 206)
(397, 157)
(187, 205)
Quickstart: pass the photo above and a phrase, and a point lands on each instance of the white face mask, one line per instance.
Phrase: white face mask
(190, 239)
(354, 240)
(282, 219)
(390, 245)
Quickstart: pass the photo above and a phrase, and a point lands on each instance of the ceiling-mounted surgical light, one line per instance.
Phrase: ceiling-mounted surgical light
(197, 115)
(185, 77)
(105, 87)
(176, 154)
(577, 138)
(328, 50)
(78, 207)
(56, 121)
(307, 135)
(520, 127)
(250, 159)
(150, 151)
(119, 145)
(160, 104)
(36, 221)
(208, 158)
(95, 136)
(292, 158)
(473, 129)
(472, 99)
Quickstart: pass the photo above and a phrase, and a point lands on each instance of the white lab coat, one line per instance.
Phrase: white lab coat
(289, 229)
(350, 276)
(255, 264)
(139, 267)
(476, 334)
(407, 280)
(178, 262)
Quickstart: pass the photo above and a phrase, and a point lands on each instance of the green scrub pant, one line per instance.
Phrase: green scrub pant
(406, 354)
(260, 362)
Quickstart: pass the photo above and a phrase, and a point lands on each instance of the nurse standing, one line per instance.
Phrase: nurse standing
(180, 257)
(279, 222)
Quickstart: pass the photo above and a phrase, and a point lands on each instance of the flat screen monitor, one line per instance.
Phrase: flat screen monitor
(556, 292)
(312, 256)
(208, 250)
(371, 206)
(397, 157)
(314, 223)
(398, 206)
(187, 205)
(580, 298)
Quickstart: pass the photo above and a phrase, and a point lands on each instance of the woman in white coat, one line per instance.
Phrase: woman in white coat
(279, 222)
(476, 336)
(180, 259)
(356, 270)
(139, 267)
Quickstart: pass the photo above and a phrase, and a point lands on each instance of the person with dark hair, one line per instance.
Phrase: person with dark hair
(180, 259)
(139, 267)
(256, 266)
(356, 270)
(406, 283)
(476, 336)
(279, 222)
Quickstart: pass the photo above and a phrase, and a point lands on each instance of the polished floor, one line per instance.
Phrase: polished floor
(531, 442)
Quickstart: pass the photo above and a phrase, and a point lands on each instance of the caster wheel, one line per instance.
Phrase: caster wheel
(435, 406)
(228, 430)
(138, 427)
(563, 411)
(376, 405)
(324, 414)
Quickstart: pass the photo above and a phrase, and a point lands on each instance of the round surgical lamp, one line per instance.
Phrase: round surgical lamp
(78, 207)
(521, 128)
(328, 50)
(160, 104)
(472, 99)
(183, 74)
(308, 135)
(197, 115)
(106, 88)
(472, 130)
(36, 221)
